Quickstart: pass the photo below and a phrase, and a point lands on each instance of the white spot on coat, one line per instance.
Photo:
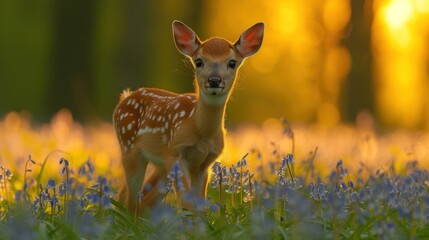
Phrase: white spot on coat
(143, 131)
(177, 105)
(192, 112)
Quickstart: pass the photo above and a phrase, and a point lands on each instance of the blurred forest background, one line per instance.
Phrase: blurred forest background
(322, 61)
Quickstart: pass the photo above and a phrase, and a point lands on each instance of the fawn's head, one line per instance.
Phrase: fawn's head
(216, 60)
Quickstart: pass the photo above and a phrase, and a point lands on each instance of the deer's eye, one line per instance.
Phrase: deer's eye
(232, 64)
(198, 62)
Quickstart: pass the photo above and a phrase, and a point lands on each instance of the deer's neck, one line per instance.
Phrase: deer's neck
(209, 119)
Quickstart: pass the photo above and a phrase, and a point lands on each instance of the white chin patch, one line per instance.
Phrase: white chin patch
(214, 96)
(214, 91)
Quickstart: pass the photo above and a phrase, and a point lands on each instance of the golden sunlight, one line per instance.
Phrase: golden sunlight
(397, 13)
(266, 144)
(336, 14)
(306, 59)
(62, 137)
(400, 36)
(301, 61)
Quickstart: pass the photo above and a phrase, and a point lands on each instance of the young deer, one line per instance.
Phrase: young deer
(159, 127)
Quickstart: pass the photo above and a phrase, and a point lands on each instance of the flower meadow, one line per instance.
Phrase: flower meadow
(275, 181)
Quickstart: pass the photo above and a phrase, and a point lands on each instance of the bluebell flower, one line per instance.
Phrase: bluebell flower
(177, 169)
(234, 180)
(140, 196)
(53, 201)
(5, 173)
(343, 185)
(220, 175)
(180, 185)
(340, 163)
(64, 162)
(215, 183)
(102, 180)
(351, 184)
(90, 167)
(216, 168)
(282, 180)
(19, 195)
(83, 202)
(51, 183)
(354, 197)
(343, 172)
(36, 204)
(289, 159)
(175, 176)
(62, 188)
(317, 192)
(287, 130)
(242, 162)
(283, 164)
(82, 170)
(94, 198)
(8, 174)
(86, 170)
(106, 189)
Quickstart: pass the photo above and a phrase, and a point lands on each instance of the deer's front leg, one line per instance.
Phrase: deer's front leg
(195, 179)
(199, 178)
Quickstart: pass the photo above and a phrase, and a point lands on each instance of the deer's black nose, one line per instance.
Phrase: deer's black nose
(214, 81)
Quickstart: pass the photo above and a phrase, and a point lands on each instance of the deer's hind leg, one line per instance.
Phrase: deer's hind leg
(151, 189)
(134, 165)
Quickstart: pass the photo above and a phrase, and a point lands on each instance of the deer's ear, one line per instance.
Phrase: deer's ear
(250, 40)
(186, 40)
